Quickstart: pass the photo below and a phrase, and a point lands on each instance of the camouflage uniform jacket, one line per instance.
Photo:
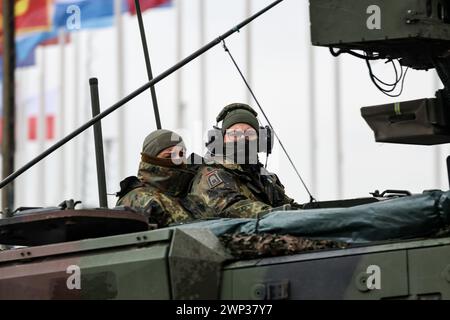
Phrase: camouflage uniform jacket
(157, 192)
(234, 192)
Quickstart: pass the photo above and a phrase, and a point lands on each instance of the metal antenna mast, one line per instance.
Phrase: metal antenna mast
(147, 63)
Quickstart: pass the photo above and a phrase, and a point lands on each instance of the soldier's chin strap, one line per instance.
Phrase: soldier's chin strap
(311, 198)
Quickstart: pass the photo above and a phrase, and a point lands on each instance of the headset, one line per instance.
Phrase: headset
(265, 135)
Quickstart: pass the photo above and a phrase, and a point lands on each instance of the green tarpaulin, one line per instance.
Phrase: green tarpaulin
(400, 218)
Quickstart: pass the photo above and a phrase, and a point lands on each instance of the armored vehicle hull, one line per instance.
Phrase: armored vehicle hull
(193, 264)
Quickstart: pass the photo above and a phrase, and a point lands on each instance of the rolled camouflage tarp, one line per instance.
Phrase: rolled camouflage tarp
(401, 218)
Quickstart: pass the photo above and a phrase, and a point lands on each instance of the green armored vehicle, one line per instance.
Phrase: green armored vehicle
(393, 245)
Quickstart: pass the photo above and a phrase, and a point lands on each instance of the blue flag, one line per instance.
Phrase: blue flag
(74, 15)
(25, 59)
(26, 44)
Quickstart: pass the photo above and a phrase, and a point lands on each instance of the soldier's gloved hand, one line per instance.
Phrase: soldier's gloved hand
(285, 207)
(296, 206)
(155, 213)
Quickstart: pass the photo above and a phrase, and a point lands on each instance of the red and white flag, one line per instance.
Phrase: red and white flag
(32, 114)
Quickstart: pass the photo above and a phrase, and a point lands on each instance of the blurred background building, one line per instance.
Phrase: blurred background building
(312, 99)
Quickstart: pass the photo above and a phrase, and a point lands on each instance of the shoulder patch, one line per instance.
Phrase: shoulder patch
(214, 179)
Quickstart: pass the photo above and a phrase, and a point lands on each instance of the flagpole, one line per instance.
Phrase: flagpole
(76, 113)
(41, 181)
(311, 83)
(179, 74)
(202, 67)
(248, 40)
(147, 62)
(8, 144)
(437, 149)
(62, 110)
(21, 134)
(312, 119)
(121, 115)
(86, 139)
(339, 148)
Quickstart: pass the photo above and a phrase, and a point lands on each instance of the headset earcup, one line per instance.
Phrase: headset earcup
(266, 142)
(213, 134)
(211, 137)
(270, 139)
(262, 140)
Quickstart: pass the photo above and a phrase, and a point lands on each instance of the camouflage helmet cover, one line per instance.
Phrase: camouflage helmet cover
(160, 140)
(238, 113)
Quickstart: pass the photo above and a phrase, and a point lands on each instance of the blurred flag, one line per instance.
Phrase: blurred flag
(32, 113)
(25, 45)
(35, 24)
(55, 40)
(74, 15)
(28, 61)
(32, 20)
(50, 113)
(1, 112)
(31, 106)
(30, 16)
(148, 4)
